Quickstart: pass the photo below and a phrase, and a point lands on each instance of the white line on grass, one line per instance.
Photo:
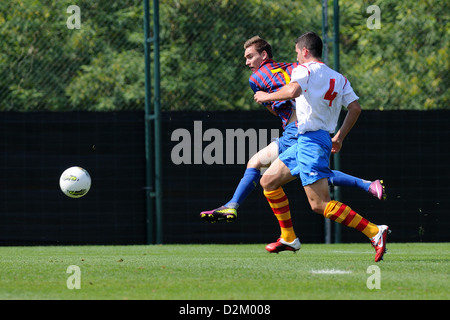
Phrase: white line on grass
(330, 271)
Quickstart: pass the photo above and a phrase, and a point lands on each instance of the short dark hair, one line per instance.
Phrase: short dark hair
(312, 42)
(260, 45)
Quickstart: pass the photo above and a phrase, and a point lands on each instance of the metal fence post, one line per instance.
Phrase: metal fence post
(153, 127)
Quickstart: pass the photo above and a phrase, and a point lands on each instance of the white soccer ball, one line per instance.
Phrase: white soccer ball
(75, 182)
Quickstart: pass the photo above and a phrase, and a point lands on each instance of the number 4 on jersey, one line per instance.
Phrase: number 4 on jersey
(331, 95)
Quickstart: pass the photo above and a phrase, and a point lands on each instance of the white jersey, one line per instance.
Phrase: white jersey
(324, 92)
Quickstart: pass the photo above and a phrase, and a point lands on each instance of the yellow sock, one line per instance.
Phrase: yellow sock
(280, 206)
(343, 214)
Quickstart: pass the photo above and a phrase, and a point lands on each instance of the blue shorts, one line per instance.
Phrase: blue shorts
(288, 138)
(309, 159)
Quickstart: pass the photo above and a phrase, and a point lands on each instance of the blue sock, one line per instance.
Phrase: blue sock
(247, 184)
(345, 180)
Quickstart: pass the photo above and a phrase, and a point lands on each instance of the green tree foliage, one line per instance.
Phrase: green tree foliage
(46, 66)
(100, 67)
(405, 63)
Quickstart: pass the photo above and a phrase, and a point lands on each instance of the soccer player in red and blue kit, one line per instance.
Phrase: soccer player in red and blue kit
(269, 76)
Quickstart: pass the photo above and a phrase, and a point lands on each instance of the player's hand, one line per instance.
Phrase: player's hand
(260, 97)
(336, 146)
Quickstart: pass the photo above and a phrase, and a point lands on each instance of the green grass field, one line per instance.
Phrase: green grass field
(223, 272)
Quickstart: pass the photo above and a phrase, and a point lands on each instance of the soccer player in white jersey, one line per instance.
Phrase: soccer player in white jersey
(320, 93)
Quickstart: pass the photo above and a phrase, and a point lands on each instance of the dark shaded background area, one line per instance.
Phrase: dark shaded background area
(407, 149)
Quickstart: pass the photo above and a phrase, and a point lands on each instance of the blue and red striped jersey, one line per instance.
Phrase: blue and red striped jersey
(270, 77)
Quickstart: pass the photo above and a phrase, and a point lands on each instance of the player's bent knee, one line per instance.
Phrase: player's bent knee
(267, 183)
(263, 182)
(254, 163)
(317, 207)
(264, 157)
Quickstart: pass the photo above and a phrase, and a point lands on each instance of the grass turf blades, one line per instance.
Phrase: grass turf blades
(224, 272)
